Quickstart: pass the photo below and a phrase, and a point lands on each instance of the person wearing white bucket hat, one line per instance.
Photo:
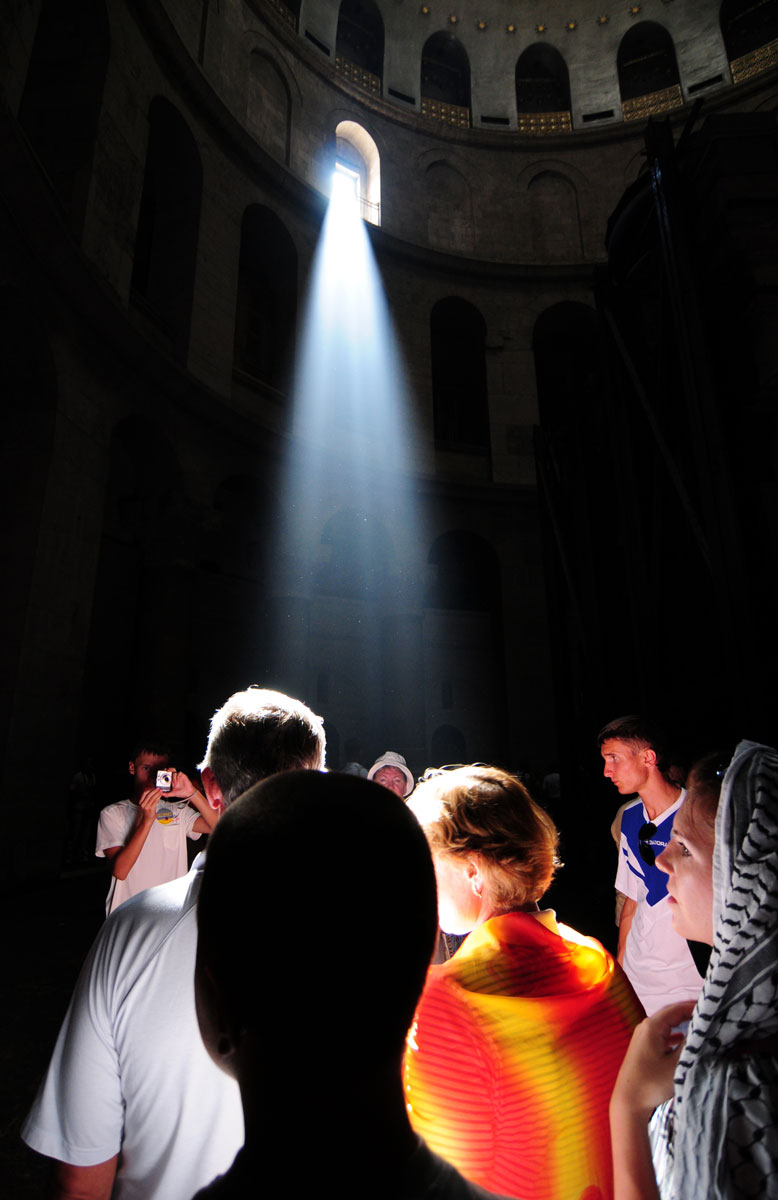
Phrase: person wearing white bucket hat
(392, 771)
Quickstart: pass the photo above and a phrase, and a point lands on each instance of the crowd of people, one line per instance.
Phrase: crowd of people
(356, 988)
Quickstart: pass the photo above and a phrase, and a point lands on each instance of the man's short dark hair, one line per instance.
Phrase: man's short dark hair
(639, 733)
(258, 732)
(152, 745)
(317, 917)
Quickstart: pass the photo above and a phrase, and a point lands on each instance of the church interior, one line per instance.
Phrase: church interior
(564, 506)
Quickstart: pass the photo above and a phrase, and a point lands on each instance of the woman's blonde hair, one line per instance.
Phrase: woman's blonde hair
(487, 812)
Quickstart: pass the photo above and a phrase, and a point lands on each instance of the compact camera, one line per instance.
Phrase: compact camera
(164, 780)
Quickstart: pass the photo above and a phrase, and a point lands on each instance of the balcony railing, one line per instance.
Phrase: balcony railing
(755, 62)
(452, 114)
(358, 75)
(542, 123)
(642, 107)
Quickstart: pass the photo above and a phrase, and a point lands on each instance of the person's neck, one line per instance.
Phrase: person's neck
(658, 795)
(353, 1126)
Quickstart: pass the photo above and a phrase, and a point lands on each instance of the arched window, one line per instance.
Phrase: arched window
(459, 391)
(359, 45)
(356, 151)
(746, 26)
(168, 226)
(266, 309)
(648, 72)
(542, 91)
(445, 80)
(60, 105)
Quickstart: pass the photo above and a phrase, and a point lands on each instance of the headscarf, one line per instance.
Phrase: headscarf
(721, 1126)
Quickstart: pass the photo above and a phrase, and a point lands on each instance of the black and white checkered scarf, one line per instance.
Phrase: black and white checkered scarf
(718, 1138)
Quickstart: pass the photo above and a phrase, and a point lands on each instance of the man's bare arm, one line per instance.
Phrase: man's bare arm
(84, 1183)
(627, 913)
(123, 858)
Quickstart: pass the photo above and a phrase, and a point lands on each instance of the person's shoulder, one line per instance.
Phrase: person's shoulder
(432, 1178)
(152, 917)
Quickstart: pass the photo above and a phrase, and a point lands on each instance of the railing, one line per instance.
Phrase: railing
(452, 114)
(755, 62)
(370, 210)
(541, 123)
(284, 12)
(358, 75)
(642, 107)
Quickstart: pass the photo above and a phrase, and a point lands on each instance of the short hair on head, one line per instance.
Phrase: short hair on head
(639, 733)
(151, 745)
(258, 732)
(287, 856)
(488, 812)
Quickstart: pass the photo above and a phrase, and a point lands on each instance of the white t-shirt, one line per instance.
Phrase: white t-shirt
(163, 854)
(129, 1071)
(657, 960)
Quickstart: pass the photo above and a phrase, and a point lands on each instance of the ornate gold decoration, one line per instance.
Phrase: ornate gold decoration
(542, 123)
(452, 114)
(755, 62)
(643, 107)
(481, 25)
(541, 28)
(425, 10)
(571, 25)
(511, 28)
(453, 18)
(634, 10)
(357, 75)
(603, 20)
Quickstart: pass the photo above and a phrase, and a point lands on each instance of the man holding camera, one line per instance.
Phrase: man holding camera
(144, 838)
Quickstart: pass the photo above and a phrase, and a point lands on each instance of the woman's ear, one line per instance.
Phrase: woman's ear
(474, 876)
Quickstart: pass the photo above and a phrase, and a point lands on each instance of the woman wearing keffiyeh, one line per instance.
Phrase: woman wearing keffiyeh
(717, 1138)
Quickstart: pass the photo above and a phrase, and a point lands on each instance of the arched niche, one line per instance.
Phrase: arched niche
(566, 344)
(555, 220)
(359, 43)
(467, 576)
(445, 79)
(356, 150)
(168, 227)
(266, 308)
(747, 26)
(542, 90)
(29, 387)
(62, 97)
(269, 109)
(356, 558)
(139, 652)
(448, 745)
(449, 207)
(459, 388)
(647, 67)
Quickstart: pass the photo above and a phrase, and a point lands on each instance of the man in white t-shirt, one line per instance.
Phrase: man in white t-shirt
(132, 1107)
(144, 838)
(657, 961)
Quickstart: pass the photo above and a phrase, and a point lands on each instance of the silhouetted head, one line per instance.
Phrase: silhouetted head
(317, 919)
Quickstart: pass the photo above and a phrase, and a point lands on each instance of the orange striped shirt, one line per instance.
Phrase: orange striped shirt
(512, 1058)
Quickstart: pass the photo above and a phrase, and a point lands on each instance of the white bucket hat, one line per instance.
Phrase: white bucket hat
(390, 758)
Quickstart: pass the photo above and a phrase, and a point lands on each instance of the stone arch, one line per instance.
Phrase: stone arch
(357, 151)
(266, 307)
(269, 107)
(555, 218)
(468, 573)
(449, 204)
(166, 240)
(357, 556)
(360, 36)
(542, 86)
(646, 61)
(459, 386)
(445, 78)
(29, 380)
(62, 97)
